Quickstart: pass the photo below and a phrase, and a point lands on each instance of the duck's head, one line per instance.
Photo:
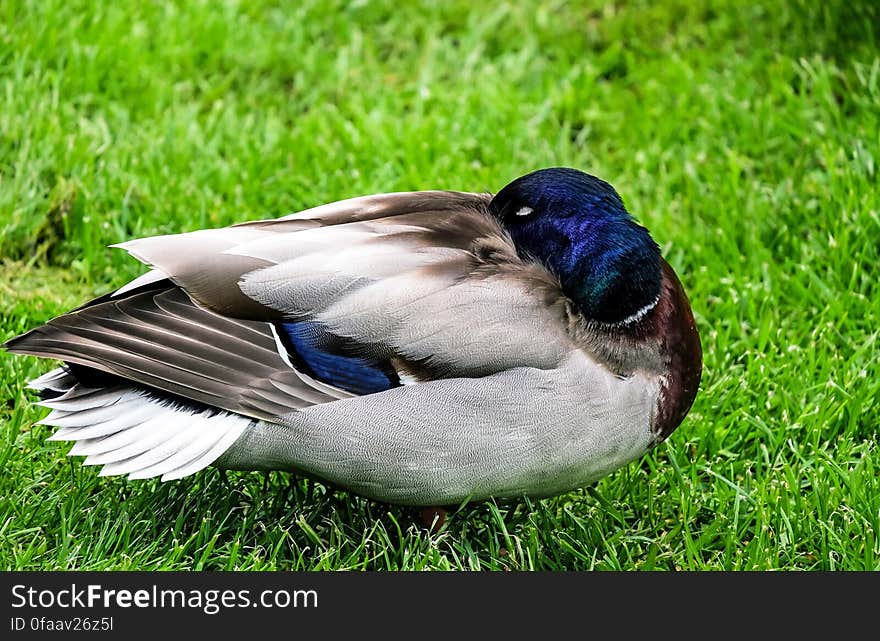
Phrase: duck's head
(611, 269)
(576, 225)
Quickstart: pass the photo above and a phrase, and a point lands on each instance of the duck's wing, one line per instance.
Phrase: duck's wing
(428, 280)
(347, 299)
(157, 337)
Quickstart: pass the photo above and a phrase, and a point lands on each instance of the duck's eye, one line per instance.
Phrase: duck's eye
(524, 211)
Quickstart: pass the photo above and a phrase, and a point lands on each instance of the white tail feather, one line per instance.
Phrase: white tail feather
(80, 398)
(224, 443)
(130, 432)
(57, 380)
(92, 415)
(187, 453)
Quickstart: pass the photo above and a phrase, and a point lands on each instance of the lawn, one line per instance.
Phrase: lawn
(745, 136)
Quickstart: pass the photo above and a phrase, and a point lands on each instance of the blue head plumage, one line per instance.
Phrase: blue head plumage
(577, 226)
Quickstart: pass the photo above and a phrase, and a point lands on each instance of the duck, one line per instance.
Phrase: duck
(426, 348)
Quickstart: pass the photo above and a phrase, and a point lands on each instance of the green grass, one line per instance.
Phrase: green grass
(746, 137)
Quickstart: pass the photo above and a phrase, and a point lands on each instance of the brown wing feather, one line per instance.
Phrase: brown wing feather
(375, 207)
(204, 263)
(160, 338)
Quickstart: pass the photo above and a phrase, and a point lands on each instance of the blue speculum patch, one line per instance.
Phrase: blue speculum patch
(318, 353)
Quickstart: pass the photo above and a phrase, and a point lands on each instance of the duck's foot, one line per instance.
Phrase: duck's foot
(433, 518)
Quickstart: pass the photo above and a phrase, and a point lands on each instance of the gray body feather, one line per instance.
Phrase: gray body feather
(523, 431)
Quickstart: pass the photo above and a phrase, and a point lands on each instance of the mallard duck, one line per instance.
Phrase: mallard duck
(422, 348)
